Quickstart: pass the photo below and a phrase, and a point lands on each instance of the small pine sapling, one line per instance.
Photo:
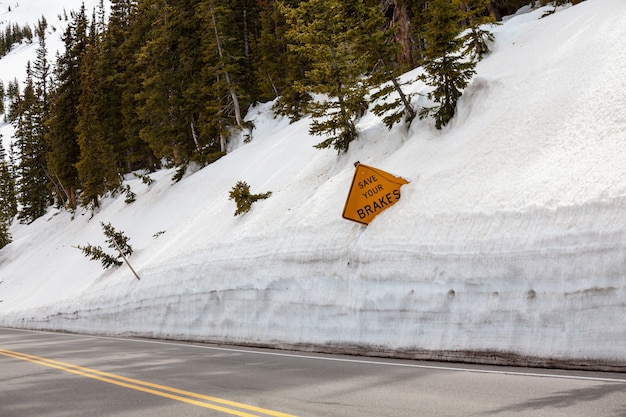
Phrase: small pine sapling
(145, 178)
(130, 195)
(116, 241)
(96, 253)
(240, 193)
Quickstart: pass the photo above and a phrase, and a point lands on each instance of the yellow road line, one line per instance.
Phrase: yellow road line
(147, 387)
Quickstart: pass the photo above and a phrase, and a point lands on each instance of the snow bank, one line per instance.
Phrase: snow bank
(509, 241)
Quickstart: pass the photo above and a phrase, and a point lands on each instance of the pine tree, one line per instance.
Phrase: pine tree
(41, 68)
(112, 63)
(33, 180)
(116, 241)
(170, 103)
(406, 20)
(272, 50)
(333, 33)
(105, 150)
(418, 16)
(13, 96)
(2, 97)
(96, 166)
(229, 62)
(128, 31)
(475, 16)
(63, 151)
(8, 201)
(244, 199)
(279, 68)
(446, 69)
(223, 63)
(392, 56)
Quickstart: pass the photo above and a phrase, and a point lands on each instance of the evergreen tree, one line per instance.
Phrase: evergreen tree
(224, 68)
(116, 241)
(5, 234)
(8, 201)
(414, 49)
(126, 31)
(333, 34)
(475, 15)
(96, 167)
(406, 19)
(2, 97)
(392, 56)
(33, 180)
(13, 95)
(111, 66)
(278, 67)
(41, 68)
(446, 69)
(272, 50)
(168, 104)
(63, 151)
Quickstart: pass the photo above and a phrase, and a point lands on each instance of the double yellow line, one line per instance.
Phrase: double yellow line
(205, 401)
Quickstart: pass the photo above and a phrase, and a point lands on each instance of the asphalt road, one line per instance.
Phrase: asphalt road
(54, 375)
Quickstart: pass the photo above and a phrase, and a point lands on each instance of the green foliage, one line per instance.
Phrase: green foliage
(32, 178)
(13, 34)
(240, 193)
(446, 69)
(5, 235)
(180, 173)
(334, 35)
(146, 179)
(116, 241)
(96, 253)
(390, 101)
(167, 82)
(63, 151)
(279, 66)
(475, 16)
(99, 123)
(8, 199)
(130, 195)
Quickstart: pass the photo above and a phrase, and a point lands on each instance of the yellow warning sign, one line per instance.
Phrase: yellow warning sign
(372, 191)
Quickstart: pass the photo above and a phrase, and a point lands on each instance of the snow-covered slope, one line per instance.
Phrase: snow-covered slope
(509, 241)
(28, 13)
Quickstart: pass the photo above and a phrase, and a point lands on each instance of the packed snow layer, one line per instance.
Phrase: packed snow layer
(509, 239)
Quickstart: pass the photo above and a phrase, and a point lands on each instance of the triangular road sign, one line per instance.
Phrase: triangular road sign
(372, 191)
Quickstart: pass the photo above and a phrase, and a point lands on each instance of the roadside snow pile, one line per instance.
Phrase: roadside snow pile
(509, 239)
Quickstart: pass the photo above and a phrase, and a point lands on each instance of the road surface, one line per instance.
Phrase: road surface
(57, 375)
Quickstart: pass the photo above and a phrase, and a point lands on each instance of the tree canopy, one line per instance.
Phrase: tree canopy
(160, 83)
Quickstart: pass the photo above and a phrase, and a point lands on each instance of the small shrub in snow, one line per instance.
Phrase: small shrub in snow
(240, 193)
(146, 179)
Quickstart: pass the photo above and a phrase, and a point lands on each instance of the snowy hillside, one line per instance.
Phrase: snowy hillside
(28, 13)
(508, 242)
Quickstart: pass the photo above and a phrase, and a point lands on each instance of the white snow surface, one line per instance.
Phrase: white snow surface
(510, 237)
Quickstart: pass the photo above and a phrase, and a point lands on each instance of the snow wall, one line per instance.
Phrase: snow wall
(508, 245)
